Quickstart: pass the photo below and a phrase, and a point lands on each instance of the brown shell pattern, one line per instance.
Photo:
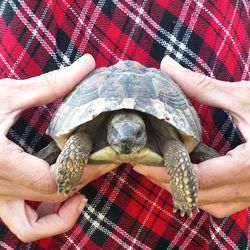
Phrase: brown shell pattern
(127, 85)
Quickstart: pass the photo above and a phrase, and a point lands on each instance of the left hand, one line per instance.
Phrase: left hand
(26, 177)
(224, 182)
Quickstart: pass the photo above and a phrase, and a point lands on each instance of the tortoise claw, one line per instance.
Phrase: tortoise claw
(188, 212)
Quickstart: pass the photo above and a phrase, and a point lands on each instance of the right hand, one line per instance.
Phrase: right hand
(26, 177)
(224, 182)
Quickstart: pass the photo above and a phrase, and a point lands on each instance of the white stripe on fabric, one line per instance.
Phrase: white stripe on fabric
(227, 32)
(147, 199)
(35, 33)
(217, 233)
(91, 24)
(2, 7)
(95, 203)
(224, 31)
(190, 236)
(21, 139)
(246, 72)
(168, 36)
(117, 235)
(171, 215)
(77, 31)
(9, 67)
(136, 23)
(5, 246)
(98, 198)
(145, 221)
(82, 22)
(247, 6)
(98, 40)
(96, 218)
(179, 24)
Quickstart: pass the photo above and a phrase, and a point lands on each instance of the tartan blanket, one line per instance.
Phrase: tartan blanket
(125, 210)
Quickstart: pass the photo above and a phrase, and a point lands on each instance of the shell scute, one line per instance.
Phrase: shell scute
(127, 85)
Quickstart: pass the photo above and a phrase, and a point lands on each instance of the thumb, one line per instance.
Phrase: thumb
(199, 87)
(23, 221)
(64, 219)
(48, 87)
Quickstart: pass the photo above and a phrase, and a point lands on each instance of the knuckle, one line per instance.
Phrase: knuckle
(46, 184)
(202, 85)
(48, 80)
(48, 77)
(203, 81)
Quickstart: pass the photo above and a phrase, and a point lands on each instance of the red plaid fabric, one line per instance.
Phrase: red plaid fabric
(125, 210)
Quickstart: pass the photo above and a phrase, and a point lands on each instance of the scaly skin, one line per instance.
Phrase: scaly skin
(70, 163)
(183, 180)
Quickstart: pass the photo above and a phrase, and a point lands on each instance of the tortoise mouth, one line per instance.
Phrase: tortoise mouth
(127, 149)
(126, 152)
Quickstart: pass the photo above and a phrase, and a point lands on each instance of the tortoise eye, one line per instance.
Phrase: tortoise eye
(114, 130)
(139, 133)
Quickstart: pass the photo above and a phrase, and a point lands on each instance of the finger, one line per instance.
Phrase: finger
(53, 85)
(23, 221)
(232, 168)
(92, 172)
(46, 208)
(163, 185)
(63, 220)
(231, 97)
(229, 193)
(33, 173)
(10, 190)
(24, 169)
(226, 193)
(200, 87)
(221, 210)
(154, 173)
(46, 191)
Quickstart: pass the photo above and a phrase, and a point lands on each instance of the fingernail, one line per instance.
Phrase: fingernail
(168, 64)
(82, 204)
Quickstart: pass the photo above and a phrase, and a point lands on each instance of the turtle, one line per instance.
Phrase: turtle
(128, 113)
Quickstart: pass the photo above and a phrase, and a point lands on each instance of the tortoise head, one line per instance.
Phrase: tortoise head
(126, 132)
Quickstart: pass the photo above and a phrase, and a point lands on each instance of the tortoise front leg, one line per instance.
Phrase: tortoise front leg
(71, 161)
(183, 181)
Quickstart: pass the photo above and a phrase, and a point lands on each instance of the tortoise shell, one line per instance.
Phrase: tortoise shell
(127, 85)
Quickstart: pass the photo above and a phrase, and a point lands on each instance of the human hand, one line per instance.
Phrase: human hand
(224, 182)
(26, 177)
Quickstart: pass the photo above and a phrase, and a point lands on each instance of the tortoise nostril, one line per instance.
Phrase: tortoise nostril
(126, 141)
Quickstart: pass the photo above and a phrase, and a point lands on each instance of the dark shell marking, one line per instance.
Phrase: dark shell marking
(127, 85)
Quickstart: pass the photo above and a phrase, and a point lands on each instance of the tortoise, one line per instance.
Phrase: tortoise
(128, 113)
